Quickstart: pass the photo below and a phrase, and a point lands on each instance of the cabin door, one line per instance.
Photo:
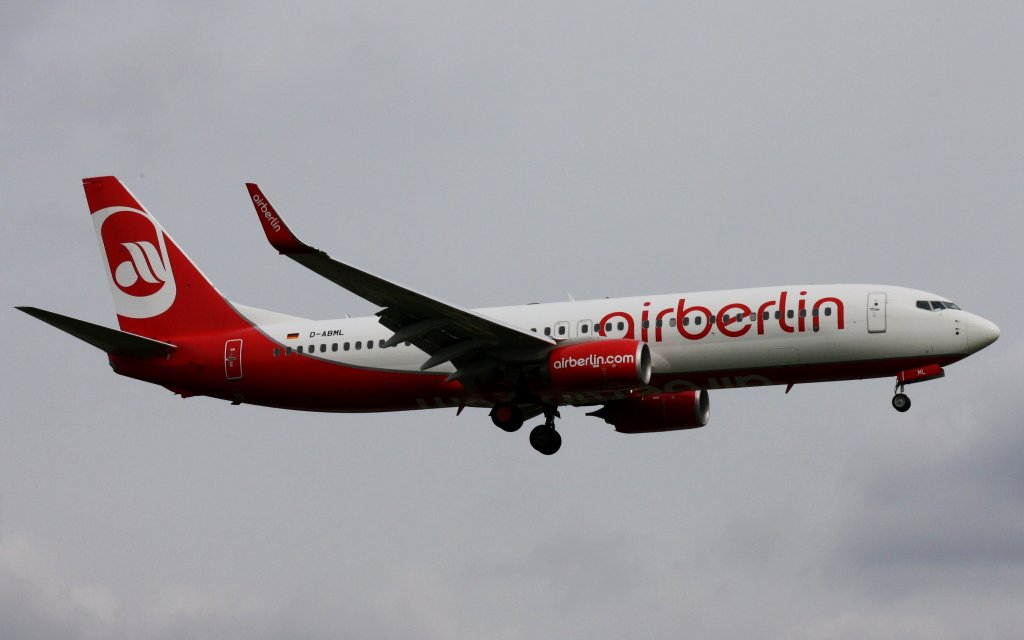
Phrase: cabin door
(876, 313)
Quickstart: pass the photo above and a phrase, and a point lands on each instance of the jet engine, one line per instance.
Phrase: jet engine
(660, 412)
(600, 365)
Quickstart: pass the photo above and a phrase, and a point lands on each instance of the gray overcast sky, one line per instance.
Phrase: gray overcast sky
(497, 155)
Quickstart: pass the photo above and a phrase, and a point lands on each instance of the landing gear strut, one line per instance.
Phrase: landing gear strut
(544, 438)
(900, 401)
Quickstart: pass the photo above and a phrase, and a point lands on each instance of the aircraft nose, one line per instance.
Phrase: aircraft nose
(980, 332)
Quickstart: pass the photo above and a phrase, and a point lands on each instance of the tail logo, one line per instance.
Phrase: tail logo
(145, 264)
(137, 260)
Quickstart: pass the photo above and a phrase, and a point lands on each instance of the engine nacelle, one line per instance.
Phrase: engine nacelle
(660, 412)
(600, 365)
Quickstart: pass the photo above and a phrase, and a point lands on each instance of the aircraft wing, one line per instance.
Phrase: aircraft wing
(476, 344)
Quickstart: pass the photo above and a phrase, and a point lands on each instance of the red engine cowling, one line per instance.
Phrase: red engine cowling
(615, 363)
(661, 412)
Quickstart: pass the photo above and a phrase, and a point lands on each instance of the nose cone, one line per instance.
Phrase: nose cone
(980, 333)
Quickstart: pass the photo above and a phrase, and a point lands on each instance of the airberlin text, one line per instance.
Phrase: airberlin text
(736, 319)
(593, 361)
(268, 213)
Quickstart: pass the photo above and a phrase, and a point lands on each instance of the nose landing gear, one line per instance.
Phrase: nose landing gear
(901, 401)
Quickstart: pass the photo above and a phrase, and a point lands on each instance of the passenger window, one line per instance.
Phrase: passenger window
(622, 326)
(299, 349)
(277, 352)
(561, 330)
(647, 324)
(789, 314)
(686, 321)
(608, 327)
(697, 320)
(380, 344)
(765, 315)
(671, 322)
(334, 346)
(369, 344)
(828, 311)
(323, 348)
(359, 345)
(547, 331)
(347, 345)
(803, 313)
(584, 327)
(287, 351)
(778, 315)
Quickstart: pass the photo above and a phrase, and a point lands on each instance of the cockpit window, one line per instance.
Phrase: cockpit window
(936, 305)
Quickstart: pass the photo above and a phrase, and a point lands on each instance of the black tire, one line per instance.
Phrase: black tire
(507, 416)
(901, 402)
(545, 440)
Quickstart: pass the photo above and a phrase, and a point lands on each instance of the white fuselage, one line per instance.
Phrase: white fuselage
(713, 331)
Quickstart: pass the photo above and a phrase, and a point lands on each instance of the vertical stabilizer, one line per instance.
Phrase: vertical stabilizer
(158, 292)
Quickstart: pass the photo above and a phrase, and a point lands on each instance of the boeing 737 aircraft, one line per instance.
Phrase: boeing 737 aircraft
(643, 364)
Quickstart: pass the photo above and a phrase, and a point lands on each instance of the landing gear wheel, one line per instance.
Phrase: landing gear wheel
(901, 402)
(507, 416)
(545, 439)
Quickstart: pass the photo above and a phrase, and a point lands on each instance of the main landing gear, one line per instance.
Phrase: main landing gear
(544, 438)
(507, 416)
(900, 401)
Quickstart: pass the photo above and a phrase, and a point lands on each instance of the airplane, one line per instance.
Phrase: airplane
(642, 364)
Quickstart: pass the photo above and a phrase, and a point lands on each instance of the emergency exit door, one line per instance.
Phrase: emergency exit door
(876, 313)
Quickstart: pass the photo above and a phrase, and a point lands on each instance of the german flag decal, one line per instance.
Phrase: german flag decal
(293, 336)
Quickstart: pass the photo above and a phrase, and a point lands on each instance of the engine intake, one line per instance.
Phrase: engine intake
(599, 365)
(660, 412)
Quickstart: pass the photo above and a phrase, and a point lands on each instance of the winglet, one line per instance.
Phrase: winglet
(278, 233)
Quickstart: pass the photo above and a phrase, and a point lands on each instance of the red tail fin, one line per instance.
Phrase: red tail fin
(158, 292)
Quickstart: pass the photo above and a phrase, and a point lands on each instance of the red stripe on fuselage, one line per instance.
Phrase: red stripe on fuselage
(294, 381)
(309, 383)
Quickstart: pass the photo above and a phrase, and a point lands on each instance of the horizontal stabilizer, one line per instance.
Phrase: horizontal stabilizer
(114, 342)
